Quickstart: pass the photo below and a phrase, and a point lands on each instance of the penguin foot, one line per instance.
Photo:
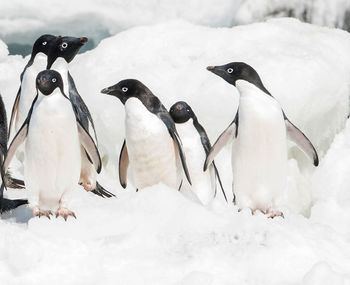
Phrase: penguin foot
(87, 186)
(272, 214)
(64, 213)
(38, 212)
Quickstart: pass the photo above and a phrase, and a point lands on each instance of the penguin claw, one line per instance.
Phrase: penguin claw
(64, 213)
(39, 213)
(272, 214)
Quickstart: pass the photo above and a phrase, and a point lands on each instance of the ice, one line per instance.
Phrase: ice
(158, 235)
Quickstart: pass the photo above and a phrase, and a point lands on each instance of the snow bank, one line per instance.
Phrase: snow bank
(334, 13)
(158, 236)
(296, 61)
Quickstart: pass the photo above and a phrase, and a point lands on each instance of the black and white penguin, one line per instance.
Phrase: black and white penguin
(53, 135)
(259, 152)
(61, 52)
(6, 204)
(152, 145)
(196, 146)
(27, 90)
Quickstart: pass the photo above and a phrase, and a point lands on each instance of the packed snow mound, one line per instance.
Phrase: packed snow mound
(334, 13)
(160, 236)
(296, 62)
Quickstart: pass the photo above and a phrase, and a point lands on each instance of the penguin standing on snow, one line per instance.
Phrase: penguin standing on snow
(196, 146)
(27, 89)
(61, 52)
(259, 151)
(6, 204)
(53, 135)
(152, 144)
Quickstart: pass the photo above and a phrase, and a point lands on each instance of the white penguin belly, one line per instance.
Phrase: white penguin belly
(28, 88)
(52, 151)
(88, 173)
(259, 154)
(203, 183)
(151, 150)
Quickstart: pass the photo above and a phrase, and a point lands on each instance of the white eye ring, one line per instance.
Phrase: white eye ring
(44, 43)
(54, 80)
(124, 89)
(230, 70)
(64, 45)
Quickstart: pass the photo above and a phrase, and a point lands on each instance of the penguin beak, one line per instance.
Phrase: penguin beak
(108, 90)
(217, 70)
(83, 40)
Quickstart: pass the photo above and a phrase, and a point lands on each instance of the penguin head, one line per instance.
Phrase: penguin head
(42, 44)
(234, 71)
(48, 80)
(126, 89)
(181, 112)
(65, 47)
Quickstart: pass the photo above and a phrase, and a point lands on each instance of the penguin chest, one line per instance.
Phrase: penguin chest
(61, 66)
(202, 184)
(52, 149)
(151, 149)
(28, 88)
(259, 156)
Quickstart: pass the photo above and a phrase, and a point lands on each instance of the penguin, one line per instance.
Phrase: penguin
(259, 152)
(53, 134)
(152, 145)
(196, 146)
(61, 52)
(6, 204)
(26, 92)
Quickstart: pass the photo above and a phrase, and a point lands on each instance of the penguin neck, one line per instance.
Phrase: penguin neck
(245, 88)
(61, 65)
(39, 61)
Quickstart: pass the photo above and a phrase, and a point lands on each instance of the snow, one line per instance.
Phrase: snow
(22, 21)
(333, 13)
(158, 235)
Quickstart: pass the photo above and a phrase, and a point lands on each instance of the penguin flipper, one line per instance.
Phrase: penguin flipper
(16, 142)
(123, 165)
(219, 179)
(90, 147)
(228, 135)
(299, 138)
(14, 111)
(169, 123)
(81, 110)
(102, 192)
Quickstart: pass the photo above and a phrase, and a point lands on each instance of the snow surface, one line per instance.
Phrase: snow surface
(334, 13)
(158, 235)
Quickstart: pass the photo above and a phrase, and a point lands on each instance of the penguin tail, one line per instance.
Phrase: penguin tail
(8, 205)
(102, 192)
(13, 182)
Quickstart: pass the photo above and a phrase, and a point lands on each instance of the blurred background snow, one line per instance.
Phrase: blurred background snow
(159, 236)
(22, 21)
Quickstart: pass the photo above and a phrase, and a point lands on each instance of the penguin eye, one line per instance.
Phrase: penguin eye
(188, 110)
(54, 80)
(124, 89)
(64, 45)
(44, 43)
(230, 70)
